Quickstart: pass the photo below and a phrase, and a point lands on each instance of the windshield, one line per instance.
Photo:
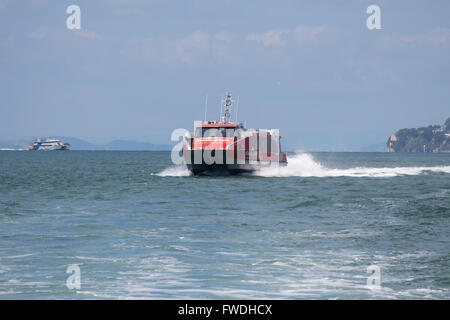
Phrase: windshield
(201, 132)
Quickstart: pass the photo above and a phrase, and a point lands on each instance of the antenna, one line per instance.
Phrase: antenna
(206, 106)
(237, 108)
(220, 114)
(227, 103)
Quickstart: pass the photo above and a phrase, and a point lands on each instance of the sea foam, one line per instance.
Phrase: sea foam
(304, 165)
(175, 171)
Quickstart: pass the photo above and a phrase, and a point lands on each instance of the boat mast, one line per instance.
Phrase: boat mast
(206, 106)
(237, 108)
(227, 104)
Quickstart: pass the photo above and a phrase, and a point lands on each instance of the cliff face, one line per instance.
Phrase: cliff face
(425, 139)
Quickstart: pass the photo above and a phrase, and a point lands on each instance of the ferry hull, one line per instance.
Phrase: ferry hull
(197, 169)
(196, 163)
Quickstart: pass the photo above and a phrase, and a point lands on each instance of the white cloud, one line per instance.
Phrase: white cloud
(42, 33)
(39, 33)
(283, 37)
(59, 43)
(306, 33)
(193, 48)
(230, 51)
(88, 34)
(224, 50)
(437, 36)
(270, 38)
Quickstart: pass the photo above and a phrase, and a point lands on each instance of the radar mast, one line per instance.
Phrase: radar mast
(227, 104)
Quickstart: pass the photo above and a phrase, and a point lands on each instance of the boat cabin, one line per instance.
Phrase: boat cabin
(212, 129)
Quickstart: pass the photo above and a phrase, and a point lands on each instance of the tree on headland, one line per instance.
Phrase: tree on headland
(433, 138)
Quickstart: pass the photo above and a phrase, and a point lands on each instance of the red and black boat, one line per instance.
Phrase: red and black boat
(225, 146)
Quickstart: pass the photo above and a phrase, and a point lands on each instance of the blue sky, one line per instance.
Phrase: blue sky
(139, 69)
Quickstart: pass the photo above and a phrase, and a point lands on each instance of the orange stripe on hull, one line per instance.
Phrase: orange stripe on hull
(211, 143)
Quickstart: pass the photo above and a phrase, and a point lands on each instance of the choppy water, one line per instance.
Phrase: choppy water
(138, 227)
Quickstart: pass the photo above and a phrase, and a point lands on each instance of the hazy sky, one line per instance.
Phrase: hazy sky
(139, 69)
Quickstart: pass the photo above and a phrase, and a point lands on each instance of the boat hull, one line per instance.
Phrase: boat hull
(197, 169)
(196, 163)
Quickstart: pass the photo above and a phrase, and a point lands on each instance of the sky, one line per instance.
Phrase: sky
(139, 69)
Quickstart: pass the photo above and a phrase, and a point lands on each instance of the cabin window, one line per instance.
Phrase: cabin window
(209, 132)
(198, 132)
(230, 132)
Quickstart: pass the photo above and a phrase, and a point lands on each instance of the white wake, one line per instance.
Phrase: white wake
(303, 165)
(176, 171)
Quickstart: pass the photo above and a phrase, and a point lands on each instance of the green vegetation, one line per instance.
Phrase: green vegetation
(426, 139)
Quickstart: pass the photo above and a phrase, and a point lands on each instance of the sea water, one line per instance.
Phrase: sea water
(136, 226)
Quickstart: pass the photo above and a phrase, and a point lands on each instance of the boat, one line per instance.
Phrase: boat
(49, 145)
(229, 147)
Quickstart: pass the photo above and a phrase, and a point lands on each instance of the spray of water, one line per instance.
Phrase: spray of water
(303, 165)
(176, 171)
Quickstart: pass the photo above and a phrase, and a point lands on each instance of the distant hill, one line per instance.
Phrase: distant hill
(78, 144)
(433, 138)
(132, 145)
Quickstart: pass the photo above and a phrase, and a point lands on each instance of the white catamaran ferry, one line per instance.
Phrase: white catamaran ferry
(49, 145)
